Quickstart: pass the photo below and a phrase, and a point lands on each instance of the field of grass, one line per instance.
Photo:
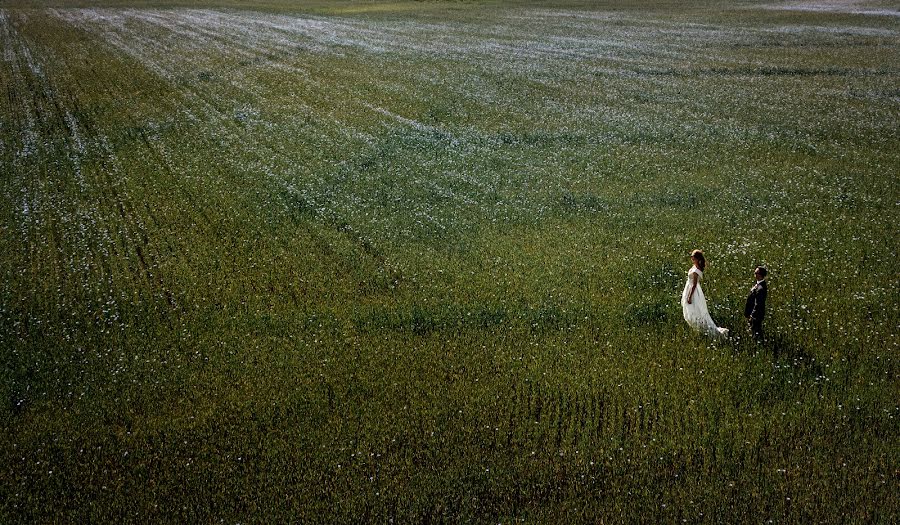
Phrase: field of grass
(275, 261)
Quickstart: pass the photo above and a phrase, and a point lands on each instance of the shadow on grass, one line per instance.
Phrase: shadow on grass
(783, 349)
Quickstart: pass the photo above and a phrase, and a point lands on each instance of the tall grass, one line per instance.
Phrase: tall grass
(354, 262)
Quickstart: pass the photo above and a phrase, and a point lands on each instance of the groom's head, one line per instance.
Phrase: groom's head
(760, 273)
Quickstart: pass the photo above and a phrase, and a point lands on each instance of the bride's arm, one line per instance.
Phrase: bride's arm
(693, 287)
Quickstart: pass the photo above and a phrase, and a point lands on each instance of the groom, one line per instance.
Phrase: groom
(755, 309)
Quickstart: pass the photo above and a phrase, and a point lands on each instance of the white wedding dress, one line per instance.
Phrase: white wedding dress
(696, 314)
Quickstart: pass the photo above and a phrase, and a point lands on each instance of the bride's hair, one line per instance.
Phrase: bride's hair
(701, 260)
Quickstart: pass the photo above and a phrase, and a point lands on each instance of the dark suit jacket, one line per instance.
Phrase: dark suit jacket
(756, 301)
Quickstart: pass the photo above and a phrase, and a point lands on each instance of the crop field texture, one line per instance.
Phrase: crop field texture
(274, 262)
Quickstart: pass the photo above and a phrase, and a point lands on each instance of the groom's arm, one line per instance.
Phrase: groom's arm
(761, 300)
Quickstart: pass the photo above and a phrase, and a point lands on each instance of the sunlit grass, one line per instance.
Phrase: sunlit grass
(357, 261)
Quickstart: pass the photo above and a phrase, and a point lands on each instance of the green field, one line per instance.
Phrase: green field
(289, 262)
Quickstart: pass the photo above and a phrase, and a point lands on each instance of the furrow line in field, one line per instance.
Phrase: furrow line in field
(147, 48)
(504, 47)
(232, 140)
(88, 227)
(687, 118)
(219, 27)
(217, 114)
(15, 89)
(851, 8)
(169, 59)
(213, 113)
(408, 122)
(31, 206)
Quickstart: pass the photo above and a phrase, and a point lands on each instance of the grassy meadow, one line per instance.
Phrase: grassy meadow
(299, 262)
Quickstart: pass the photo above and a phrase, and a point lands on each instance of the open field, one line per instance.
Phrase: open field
(275, 261)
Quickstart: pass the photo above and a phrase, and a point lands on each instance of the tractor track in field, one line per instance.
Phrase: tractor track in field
(265, 153)
(105, 223)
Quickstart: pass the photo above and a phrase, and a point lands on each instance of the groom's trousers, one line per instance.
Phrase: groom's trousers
(755, 326)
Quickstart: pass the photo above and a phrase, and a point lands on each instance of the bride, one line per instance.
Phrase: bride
(693, 302)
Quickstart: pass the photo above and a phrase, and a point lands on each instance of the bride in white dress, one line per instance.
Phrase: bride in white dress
(693, 302)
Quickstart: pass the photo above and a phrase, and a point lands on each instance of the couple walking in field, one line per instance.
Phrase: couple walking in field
(693, 302)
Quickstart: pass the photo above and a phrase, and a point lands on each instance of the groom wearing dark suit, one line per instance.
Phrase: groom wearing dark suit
(755, 309)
